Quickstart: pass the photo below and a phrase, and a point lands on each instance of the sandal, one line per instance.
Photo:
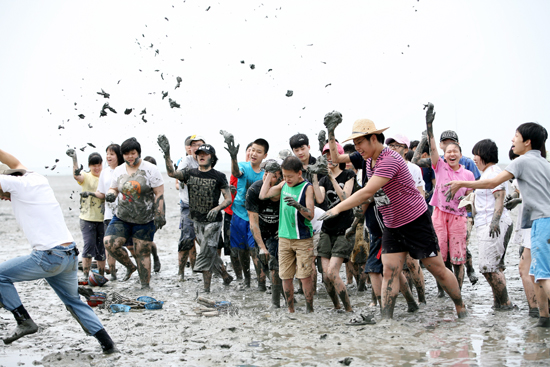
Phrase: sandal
(364, 320)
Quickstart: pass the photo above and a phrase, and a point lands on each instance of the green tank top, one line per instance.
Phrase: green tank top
(292, 224)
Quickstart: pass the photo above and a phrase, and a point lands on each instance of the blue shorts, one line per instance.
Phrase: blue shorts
(120, 228)
(374, 261)
(241, 235)
(540, 249)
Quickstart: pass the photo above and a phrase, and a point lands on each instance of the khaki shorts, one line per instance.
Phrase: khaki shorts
(316, 237)
(295, 258)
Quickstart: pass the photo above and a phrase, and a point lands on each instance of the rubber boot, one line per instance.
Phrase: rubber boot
(107, 344)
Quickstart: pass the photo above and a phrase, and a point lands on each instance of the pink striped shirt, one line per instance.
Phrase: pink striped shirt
(398, 200)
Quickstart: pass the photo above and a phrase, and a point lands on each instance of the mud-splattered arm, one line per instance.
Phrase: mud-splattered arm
(331, 121)
(268, 192)
(322, 138)
(359, 215)
(77, 171)
(164, 145)
(256, 232)
(233, 151)
(494, 228)
(213, 213)
(159, 207)
(96, 194)
(348, 187)
(430, 116)
(308, 210)
(513, 200)
(421, 162)
(318, 191)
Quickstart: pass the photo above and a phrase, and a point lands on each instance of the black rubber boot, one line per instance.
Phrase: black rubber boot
(107, 344)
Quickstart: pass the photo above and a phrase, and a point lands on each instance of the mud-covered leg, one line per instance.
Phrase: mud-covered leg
(406, 290)
(260, 273)
(459, 273)
(288, 288)
(193, 256)
(417, 277)
(308, 293)
(235, 263)
(244, 258)
(393, 265)
(114, 246)
(182, 262)
(276, 289)
(143, 253)
(329, 285)
(86, 266)
(111, 262)
(497, 281)
(156, 259)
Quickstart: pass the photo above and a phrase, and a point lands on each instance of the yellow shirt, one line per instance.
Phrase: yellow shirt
(92, 209)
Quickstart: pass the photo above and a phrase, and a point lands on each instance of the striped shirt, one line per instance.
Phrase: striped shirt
(398, 200)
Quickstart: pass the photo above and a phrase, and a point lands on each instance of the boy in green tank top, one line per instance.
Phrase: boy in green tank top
(295, 230)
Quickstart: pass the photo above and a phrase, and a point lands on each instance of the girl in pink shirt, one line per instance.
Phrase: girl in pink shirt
(450, 222)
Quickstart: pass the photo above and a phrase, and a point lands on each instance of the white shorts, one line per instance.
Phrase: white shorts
(491, 249)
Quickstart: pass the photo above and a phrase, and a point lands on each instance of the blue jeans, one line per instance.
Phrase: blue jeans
(58, 266)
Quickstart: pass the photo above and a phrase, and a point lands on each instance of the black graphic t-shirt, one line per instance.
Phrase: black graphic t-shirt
(339, 224)
(204, 192)
(268, 210)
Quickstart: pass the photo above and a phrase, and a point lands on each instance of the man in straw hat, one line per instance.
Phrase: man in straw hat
(54, 255)
(407, 225)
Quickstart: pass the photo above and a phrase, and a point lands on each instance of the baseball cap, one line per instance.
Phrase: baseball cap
(398, 138)
(207, 148)
(449, 134)
(298, 140)
(6, 170)
(193, 138)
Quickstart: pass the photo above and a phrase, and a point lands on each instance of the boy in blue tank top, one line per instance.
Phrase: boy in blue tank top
(295, 230)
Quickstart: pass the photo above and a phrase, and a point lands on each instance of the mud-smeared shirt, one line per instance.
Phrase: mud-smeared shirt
(268, 211)
(292, 224)
(336, 226)
(136, 204)
(398, 200)
(92, 209)
(205, 189)
(443, 175)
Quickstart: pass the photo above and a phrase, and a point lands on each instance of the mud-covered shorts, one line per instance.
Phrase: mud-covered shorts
(361, 249)
(334, 246)
(92, 234)
(208, 235)
(451, 231)
(491, 250)
(295, 258)
(187, 230)
(119, 228)
(418, 238)
(129, 242)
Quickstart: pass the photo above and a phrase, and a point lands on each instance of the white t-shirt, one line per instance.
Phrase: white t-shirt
(186, 162)
(37, 210)
(136, 202)
(416, 174)
(484, 199)
(103, 187)
(315, 222)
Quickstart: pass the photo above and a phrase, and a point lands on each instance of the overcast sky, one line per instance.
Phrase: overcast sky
(484, 64)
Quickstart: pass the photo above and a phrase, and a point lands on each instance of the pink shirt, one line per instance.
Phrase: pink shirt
(444, 174)
(398, 200)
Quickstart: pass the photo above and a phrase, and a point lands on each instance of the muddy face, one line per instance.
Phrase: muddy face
(132, 158)
(204, 159)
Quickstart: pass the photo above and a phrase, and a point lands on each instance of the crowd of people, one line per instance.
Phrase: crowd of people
(384, 206)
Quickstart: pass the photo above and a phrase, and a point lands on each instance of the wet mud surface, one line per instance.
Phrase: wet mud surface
(257, 335)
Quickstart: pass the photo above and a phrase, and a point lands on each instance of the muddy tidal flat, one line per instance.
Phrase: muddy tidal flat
(251, 333)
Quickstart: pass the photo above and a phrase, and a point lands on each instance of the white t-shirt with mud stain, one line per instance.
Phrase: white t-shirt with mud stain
(136, 200)
(103, 187)
(36, 210)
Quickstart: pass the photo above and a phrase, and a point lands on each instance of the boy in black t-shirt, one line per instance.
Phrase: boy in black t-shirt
(264, 224)
(205, 186)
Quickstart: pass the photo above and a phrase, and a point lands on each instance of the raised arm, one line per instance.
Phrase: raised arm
(270, 192)
(348, 187)
(77, 172)
(10, 160)
(331, 121)
(318, 191)
(421, 162)
(164, 145)
(430, 116)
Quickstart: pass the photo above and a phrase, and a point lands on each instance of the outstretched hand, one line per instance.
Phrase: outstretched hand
(320, 167)
(332, 120)
(453, 186)
(230, 141)
(164, 144)
(329, 214)
(430, 114)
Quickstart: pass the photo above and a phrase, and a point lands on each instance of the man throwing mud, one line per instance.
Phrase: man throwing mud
(54, 256)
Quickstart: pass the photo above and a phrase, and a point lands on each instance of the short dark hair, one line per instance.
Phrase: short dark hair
(115, 148)
(296, 141)
(426, 149)
(292, 163)
(409, 155)
(413, 144)
(130, 144)
(453, 143)
(379, 137)
(487, 151)
(94, 158)
(249, 145)
(349, 148)
(263, 143)
(536, 133)
(188, 141)
(512, 155)
(150, 160)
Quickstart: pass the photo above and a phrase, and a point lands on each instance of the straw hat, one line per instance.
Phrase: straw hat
(364, 127)
(5, 170)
